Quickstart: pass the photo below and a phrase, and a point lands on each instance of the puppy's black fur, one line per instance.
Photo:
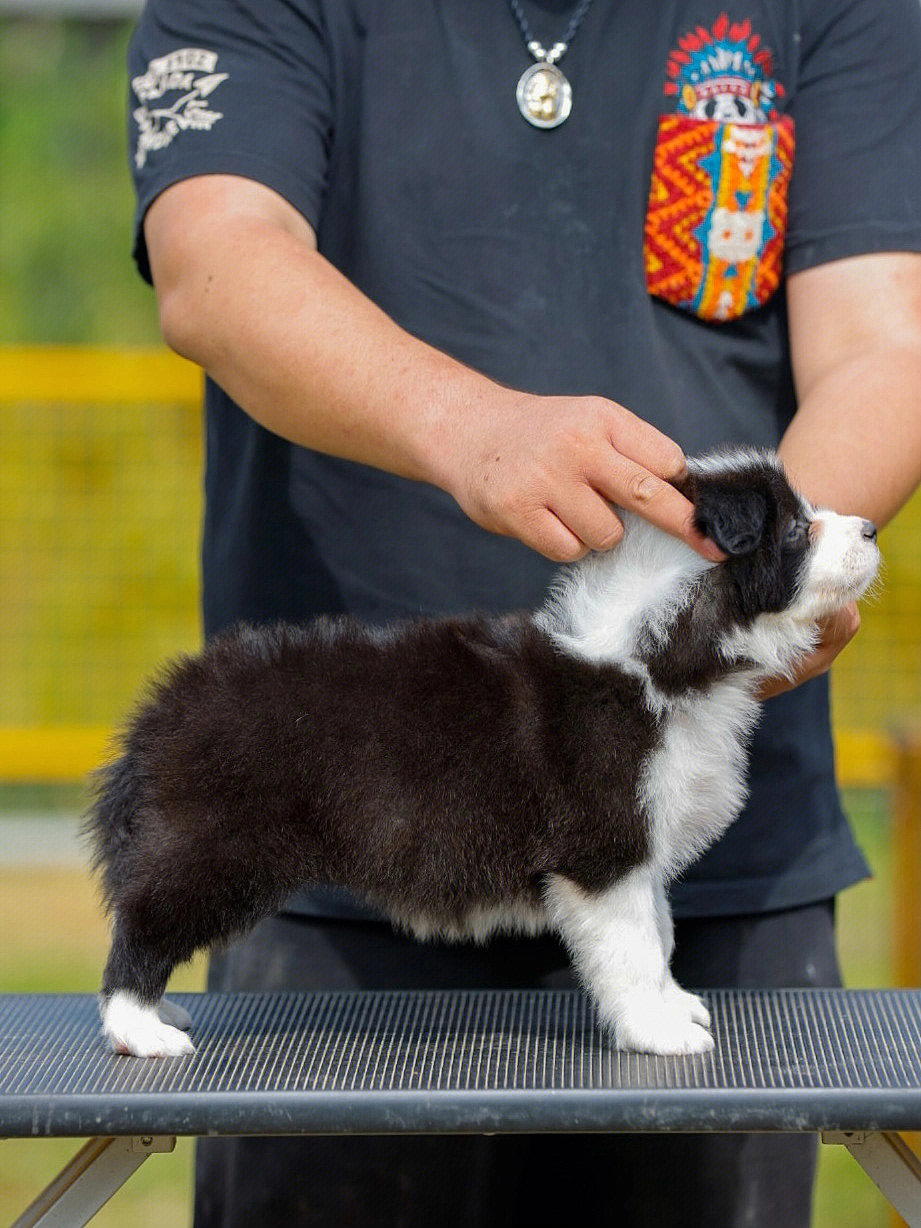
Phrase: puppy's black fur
(313, 755)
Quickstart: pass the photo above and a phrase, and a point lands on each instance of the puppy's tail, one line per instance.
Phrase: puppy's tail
(110, 820)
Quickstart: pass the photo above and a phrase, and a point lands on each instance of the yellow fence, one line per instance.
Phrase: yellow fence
(100, 473)
(71, 374)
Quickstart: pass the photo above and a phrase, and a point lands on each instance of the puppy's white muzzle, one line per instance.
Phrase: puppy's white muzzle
(842, 563)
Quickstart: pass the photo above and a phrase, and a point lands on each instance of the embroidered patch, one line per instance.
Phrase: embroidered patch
(724, 73)
(717, 214)
(189, 74)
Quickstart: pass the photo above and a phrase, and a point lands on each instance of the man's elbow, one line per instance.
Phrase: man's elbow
(181, 321)
(183, 284)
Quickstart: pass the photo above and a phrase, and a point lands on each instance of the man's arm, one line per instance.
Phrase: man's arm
(243, 292)
(855, 442)
(855, 333)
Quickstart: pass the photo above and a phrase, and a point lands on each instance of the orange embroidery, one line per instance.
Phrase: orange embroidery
(717, 213)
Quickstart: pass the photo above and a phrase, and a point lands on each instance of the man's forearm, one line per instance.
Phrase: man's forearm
(855, 442)
(855, 334)
(243, 292)
(855, 446)
(290, 339)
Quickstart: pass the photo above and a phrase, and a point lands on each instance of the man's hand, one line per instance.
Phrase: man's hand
(836, 633)
(547, 469)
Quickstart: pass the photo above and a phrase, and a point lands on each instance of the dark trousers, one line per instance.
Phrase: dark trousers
(705, 1180)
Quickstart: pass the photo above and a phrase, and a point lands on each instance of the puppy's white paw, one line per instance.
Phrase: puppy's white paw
(660, 1023)
(138, 1030)
(692, 1004)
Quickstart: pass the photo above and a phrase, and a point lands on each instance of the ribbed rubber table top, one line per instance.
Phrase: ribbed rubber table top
(489, 1061)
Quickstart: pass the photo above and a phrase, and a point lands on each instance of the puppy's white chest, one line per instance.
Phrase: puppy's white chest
(693, 785)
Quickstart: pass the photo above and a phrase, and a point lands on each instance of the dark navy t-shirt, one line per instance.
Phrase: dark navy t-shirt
(637, 251)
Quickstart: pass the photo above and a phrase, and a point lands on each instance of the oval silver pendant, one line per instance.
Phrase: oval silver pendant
(544, 95)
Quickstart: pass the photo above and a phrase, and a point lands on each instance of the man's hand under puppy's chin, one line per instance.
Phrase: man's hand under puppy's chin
(837, 633)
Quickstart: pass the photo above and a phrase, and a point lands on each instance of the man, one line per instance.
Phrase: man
(450, 313)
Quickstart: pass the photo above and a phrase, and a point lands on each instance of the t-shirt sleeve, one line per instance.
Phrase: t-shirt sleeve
(237, 87)
(856, 185)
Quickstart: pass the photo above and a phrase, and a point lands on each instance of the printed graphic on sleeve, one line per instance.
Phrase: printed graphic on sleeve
(173, 94)
(717, 212)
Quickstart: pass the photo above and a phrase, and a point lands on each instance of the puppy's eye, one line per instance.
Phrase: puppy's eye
(795, 534)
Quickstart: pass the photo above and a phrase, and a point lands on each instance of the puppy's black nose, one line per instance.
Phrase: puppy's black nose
(868, 530)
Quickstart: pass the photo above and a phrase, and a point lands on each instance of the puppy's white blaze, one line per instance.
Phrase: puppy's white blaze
(693, 783)
(135, 1029)
(615, 937)
(733, 460)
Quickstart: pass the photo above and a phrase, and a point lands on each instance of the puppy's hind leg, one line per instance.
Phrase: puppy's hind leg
(164, 909)
(618, 947)
(134, 1020)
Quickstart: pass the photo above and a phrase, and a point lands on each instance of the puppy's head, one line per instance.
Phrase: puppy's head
(784, 558)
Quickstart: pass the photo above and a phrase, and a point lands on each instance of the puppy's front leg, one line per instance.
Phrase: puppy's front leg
(617, 942)
(699, 1012)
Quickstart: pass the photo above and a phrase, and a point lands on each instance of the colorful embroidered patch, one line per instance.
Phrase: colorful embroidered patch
(717, 213)
(723, 73)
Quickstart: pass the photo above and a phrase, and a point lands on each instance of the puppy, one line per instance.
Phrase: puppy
(471, 775)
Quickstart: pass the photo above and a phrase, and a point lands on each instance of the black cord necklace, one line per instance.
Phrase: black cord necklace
(544, 94)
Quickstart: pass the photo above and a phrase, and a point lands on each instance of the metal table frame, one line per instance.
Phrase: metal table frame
(845, 1064)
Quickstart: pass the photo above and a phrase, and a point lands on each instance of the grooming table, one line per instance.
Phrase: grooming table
(843, 1063)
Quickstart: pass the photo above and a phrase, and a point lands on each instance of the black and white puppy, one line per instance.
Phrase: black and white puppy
(471, 775)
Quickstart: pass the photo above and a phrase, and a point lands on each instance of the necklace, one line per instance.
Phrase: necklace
(544, 94)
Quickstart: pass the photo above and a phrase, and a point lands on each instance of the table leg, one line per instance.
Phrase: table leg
(891, 1164)
(90, 1179)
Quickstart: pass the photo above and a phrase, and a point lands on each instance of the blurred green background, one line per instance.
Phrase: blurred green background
(99, 529)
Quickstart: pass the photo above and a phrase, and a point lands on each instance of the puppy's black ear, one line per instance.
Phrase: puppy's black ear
(732, 516)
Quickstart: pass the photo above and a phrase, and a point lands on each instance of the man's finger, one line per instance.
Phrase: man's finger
(548, 535)
(590, 517)
(837, 631)
(649, 447)
(842, 626)
(631, 486)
